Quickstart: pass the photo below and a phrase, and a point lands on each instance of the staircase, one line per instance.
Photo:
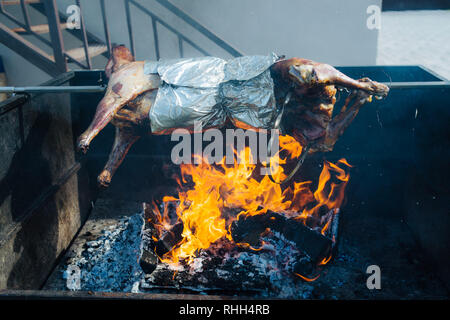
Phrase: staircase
(38, 31)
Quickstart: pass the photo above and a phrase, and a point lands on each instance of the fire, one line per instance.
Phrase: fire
(325, 261)
(308, 279)
(220, 189)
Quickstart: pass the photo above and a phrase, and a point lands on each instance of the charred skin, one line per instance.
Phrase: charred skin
(131, 94)
(310, 109)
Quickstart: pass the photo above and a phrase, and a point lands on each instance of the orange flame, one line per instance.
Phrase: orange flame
(324, 261)
(220, 189)
(308, 279)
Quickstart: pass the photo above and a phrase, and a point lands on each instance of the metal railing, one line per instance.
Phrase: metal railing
(155, 20)
(27, 24)
(61, 56)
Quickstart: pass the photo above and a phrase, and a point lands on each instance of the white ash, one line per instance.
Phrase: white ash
(111, 262)
(267, 272)
(196, 266)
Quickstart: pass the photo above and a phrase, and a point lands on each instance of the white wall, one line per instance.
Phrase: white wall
(20, 72)
(324, 30)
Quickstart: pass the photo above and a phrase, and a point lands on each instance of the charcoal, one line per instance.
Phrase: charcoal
(311, 242)
(169, 239)
(227, 269)
(148, 261)
(304, 267)
(149, 215)
(274, 239)
(248, 230)
(168, 207)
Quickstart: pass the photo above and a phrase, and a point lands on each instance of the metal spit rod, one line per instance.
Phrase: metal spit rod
(52, 89)
(90, 89)
(418, 84)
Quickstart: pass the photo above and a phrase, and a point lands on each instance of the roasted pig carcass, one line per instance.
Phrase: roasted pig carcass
(141, 95)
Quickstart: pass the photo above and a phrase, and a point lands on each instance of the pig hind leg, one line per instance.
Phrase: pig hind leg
(348, 112)
(123, 141)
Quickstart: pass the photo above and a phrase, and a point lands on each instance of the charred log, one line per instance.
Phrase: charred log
(169, 239)
(148, 261)
(315, 245)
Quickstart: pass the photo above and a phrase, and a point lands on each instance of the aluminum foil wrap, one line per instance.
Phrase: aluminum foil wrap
(210, 90)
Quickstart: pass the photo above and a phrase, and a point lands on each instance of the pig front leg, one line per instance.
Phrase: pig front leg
(330, 76)
(124, 86)
(307, 73)
(105, 112)
(365, 84)
(123, 141)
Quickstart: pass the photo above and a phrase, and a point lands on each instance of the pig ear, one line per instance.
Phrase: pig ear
(109, 67)
(121, 55)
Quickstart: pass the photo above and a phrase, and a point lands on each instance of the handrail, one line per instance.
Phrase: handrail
(22, 25)
(130, 27)
(189, 20)
(156, 40)
(203, 30)
(28, 50)
(26, 16)
(61, 57)
(105, 26)
(84, 37)
(55, 34)
(168, 27)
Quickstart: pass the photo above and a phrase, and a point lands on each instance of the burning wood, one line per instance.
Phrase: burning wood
(248, 232)
(169, 239)
(225, 195)
(262, 257)
(228, 208)
(315, 245)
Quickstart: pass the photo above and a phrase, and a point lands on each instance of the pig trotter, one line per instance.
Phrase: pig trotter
(82, 145)
(104, 179)
(377, 89)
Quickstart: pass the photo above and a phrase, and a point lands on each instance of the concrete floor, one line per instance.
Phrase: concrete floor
(416, 37)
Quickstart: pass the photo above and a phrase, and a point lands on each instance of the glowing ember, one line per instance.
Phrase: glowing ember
(220, 189)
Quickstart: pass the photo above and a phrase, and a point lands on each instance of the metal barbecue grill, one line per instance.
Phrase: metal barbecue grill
(397, 199)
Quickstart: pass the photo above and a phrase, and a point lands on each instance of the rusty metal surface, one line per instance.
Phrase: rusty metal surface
(43, 194)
